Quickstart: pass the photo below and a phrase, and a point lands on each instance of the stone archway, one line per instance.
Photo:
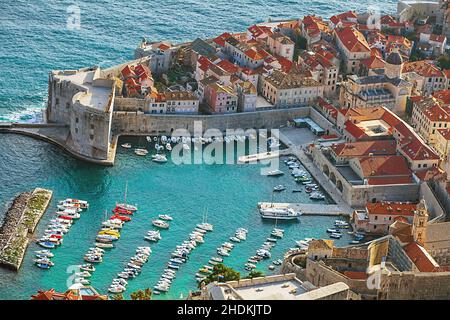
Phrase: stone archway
(339, 185)
(333, 177)
(326, 170)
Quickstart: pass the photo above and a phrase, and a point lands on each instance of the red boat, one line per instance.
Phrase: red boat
(123, 218)
(56, 236)
(122, 211)
(65, 217)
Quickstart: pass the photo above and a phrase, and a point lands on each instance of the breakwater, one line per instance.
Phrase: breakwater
(19, 224)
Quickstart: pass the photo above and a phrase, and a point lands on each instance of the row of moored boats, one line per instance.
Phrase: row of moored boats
(68, 211)
(180, 256)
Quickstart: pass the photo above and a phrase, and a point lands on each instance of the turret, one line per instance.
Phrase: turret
(420, 222)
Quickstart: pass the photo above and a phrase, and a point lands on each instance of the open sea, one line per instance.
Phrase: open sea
(35, 39)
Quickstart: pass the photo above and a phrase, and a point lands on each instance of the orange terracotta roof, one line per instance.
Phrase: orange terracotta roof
(220, 40)
(391, 208)
(374, 62)
(228, 66)
(445, 133)
(436, 113)
(354, 130)
(430, 174)
(423, 68)
(417, 150)
(443, 95)
(343, 17)
(352, 39)
(379, 166)
(421, 258)
(364, 148)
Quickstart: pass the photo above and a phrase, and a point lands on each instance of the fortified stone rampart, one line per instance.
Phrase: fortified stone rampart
(138, 122)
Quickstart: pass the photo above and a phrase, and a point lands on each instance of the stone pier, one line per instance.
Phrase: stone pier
(19, 225)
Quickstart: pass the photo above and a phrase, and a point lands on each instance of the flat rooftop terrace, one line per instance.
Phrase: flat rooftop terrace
(279, 290)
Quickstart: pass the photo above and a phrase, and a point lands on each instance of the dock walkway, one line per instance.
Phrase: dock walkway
(318, 175)
(263, 156)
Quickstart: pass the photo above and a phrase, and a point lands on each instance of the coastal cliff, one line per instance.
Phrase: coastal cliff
(19, 224)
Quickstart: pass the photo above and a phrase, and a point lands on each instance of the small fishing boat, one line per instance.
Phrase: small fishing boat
(160, 224)
(159, 158)
(275, 173)
(121, 218)
(87, 267)
(119, 210)
(279, 188)
(317, 196)
(126, 145)
(165, 217)
(46, 253)
(141, 152)
(335, 235)
(43, 265)
(47, 244)
(104, 245)
(235, 239)
(217, 259)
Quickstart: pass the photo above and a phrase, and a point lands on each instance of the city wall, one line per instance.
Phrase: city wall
(139, 123)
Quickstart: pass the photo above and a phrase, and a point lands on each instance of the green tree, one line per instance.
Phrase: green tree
(255, 274)
(444, 61)
(141, 294)
(221, 273)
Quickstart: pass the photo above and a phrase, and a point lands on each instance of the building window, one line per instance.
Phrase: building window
(76, 120)
(91, 137)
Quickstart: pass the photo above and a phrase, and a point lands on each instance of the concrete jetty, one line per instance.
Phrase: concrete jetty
(19, 224)
(263, 156)
(309, 209)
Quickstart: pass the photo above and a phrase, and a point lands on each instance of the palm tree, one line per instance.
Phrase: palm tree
(118, 296)
(255, 274)
(141, 294)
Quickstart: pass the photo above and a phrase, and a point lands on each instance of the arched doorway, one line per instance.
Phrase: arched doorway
(333, 177)
(339, 185)
(326, 170)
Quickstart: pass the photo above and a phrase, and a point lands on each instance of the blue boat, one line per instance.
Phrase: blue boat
(43, 265)
(47, 244)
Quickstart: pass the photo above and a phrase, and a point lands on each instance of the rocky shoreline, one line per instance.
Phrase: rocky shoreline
(18, 226)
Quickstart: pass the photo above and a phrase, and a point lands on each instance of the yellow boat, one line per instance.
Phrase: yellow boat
(110, 232)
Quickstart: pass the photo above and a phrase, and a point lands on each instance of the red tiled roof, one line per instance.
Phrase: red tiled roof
(421, 258)
(417, 150)
(443, 95)
(430, 174)
(228, 66)
(364, 148)
(354, 130)
(436, 113)
(258, 31)
(374, 62)
(445, 133)
(423, 68)
(220, 40)
(391, 208)
(379, 166)
(352, 39)
(258, 54)
(343, 17)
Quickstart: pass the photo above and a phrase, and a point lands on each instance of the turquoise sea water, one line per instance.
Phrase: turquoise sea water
(229, 193)
(34, 39)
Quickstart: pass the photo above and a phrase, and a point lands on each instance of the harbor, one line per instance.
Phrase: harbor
(184, 192)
